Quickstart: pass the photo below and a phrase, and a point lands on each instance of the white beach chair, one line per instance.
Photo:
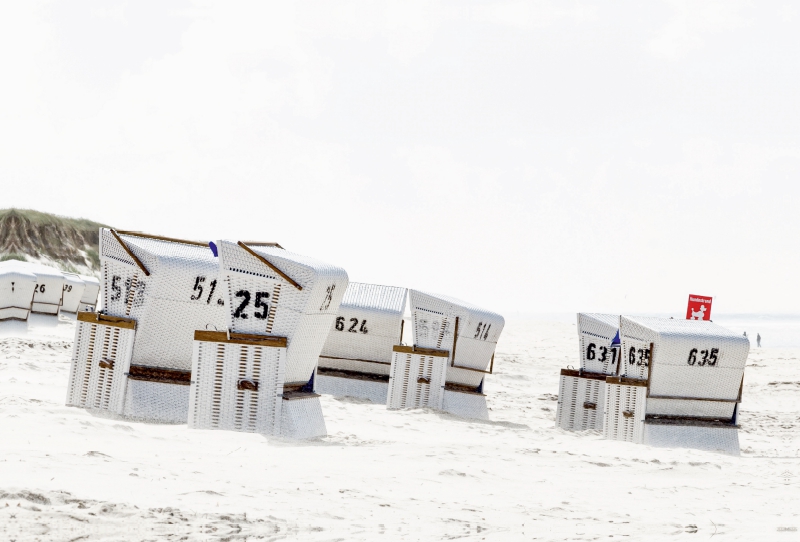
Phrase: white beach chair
(680, 384)
(453, 338)
(281, 307)
(74, 287)
(16, 290)
(170, 288)
(49, 288)
(581, 395)
(357, 355)
(91, 292)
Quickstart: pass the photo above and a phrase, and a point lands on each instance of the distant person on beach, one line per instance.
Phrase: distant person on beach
(745, 334)
(758, 339)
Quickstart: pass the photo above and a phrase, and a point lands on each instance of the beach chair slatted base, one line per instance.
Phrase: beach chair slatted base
(156, 402)
(237, 383)
(417, 378)
(694, 434)
(624, 409)
(301, 416)
(581, 401)
(465, 404)
(352, 384)
(101, 356)
(14, 313)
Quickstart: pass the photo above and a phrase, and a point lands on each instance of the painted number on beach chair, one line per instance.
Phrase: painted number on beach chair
(260, 303)
(198, 287)
(643, 355)
(591, 353)
(482, 332)
(354, 327)
(708, 357)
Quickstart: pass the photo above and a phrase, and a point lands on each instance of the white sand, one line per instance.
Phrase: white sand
(412, 475)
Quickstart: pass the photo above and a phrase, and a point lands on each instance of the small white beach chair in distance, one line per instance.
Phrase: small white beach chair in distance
(259, 375)
(581, 394)
(91, 292)
(16, 290)
(74, 287)
(680, 384)
(454, 345)
(49, 289)
(357, 355)
(169, 288)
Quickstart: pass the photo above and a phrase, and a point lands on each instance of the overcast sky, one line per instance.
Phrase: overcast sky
(525, 156)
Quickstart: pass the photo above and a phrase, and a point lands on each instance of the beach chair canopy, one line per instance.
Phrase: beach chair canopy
(72, 292)
(271, 291)
(368, 324)
(49, 288)
(16, 290)
(684, 359)
(469, 333)
(170, 287)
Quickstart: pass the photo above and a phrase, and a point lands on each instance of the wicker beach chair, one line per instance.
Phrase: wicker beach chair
(49, 289)
(91, 292)
(680, 385)
(169, 288)
(259, 375)
(357, 355)
(454, 345)
(581, 395)
(16, 290)
(74, 286)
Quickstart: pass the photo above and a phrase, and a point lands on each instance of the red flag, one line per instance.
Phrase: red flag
(699, 308)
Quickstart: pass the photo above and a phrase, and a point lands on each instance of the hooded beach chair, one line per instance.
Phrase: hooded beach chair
(17, 283)
(258, 375)
(581, 394)
(49, 288)
(357, 355)
(158, 291)
(453, 350)
(72, 294)
(680, 385)
(91, 292)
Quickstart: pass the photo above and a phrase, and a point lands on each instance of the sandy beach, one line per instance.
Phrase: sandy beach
(66, 474)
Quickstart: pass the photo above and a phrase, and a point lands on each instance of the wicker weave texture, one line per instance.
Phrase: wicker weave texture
(416, 380)
(581, 404)
(465, 405)
(16, 291)
(433, 319)
(370, 390)
(596, 333)
(221, 394)
(72, 292)
(182, 294)
(261, 302)
(691, 358)
(696, 436)
(101, 357)
(624, 412)
(156, 402)
(367, 326)
(302, 419)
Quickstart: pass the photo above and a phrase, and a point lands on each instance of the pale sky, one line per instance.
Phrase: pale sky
(525, 156)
